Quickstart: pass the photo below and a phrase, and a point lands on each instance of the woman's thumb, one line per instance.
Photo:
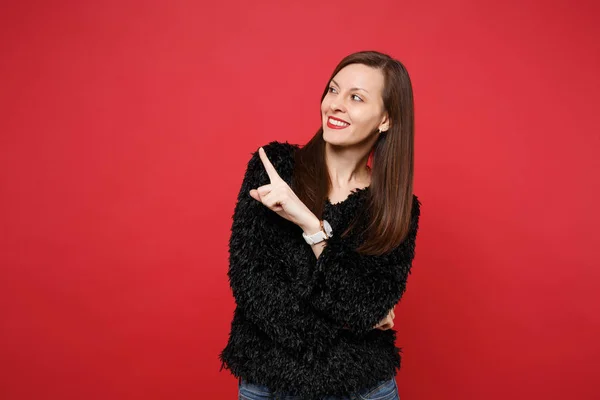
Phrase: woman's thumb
(254, 194)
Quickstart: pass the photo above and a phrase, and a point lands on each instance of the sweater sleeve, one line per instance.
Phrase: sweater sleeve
(258, 251)
(359, 290)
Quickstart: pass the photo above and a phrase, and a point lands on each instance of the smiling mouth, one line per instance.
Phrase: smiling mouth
(336, 124)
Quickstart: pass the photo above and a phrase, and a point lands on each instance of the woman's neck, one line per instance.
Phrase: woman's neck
(348, 169)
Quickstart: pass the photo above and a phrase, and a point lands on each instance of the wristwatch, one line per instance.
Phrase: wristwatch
(324, 233)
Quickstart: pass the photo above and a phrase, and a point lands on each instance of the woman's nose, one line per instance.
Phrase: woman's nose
(334, 106)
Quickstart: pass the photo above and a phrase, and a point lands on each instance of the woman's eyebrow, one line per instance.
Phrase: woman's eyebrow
(354, 88)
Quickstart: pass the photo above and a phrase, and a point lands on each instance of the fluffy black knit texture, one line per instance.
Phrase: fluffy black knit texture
(304, 324)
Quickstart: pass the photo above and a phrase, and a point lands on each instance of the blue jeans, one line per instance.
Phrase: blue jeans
(383, 390)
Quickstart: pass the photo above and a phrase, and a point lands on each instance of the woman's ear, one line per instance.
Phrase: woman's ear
(385, 124)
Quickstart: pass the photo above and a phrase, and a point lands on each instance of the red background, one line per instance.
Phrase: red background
(126, 128)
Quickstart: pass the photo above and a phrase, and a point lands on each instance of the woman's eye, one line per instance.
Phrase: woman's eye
(332, 89)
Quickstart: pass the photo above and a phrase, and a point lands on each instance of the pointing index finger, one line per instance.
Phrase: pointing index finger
(271, 171)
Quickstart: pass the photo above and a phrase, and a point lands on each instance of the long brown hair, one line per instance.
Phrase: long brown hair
(390, 195)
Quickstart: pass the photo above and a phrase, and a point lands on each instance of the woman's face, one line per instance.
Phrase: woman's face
(353, 107)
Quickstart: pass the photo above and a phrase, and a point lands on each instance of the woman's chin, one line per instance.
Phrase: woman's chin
(332, 139)
(334, 136)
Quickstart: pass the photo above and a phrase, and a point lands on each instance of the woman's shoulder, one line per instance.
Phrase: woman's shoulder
(416, 203)
(276, 150)
(280, 154)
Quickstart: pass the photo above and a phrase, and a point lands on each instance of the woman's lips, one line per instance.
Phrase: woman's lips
(332, 126)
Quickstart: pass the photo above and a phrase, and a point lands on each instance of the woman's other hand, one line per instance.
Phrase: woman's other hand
(384, 324)
(387, 322)
(280, 198)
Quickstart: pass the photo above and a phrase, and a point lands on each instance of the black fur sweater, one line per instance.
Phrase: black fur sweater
(302, 324)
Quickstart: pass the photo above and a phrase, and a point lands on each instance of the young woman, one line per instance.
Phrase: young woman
(322, 245)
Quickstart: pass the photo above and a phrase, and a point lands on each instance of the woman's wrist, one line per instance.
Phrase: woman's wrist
(311, 227)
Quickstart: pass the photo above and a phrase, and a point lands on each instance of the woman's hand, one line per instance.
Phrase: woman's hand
(387, 322)
(279, 197)
(384, 324)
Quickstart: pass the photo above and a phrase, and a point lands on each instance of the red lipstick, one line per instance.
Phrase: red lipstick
(330, 125)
